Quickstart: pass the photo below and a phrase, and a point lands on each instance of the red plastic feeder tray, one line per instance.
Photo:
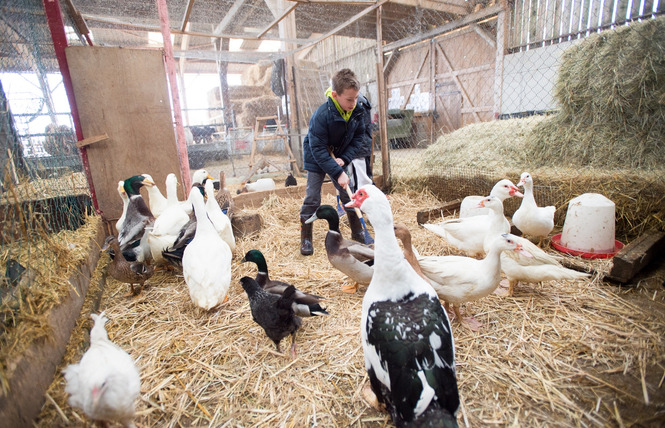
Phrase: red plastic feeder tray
(556, 243)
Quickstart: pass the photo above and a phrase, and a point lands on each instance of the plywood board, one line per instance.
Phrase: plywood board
(123, 93)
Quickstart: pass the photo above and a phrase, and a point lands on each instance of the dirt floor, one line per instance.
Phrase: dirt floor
(580, 353)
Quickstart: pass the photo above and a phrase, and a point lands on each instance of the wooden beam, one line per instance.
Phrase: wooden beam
(255, 199)
(277, 20)
(392, 56)
(456, 7)
(458, 82)
(338, 2)
(229, 17)
(145, 27)
(501, 45)
(483, 34)
(635, 256)
(343, 25)
(383, 102)
(449, 208)
(90, 140)
(79, 22)
(188, 11)
(468, 19)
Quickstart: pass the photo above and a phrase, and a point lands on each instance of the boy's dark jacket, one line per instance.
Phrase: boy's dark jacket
(327, 130)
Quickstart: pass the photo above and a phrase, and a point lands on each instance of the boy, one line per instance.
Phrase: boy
(336, 128)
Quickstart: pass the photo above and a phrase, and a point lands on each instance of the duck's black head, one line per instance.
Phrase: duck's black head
(133, 185)
(329, 214)
(249, 285)
(255, 256)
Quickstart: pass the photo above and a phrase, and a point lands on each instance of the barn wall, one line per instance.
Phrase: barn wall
(536, 23)
(448, 81)
(529, 78)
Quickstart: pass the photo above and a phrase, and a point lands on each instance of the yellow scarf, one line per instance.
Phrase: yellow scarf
(346, 115)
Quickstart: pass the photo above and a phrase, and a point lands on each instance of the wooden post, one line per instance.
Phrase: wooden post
(173, 82)
(501, 37)
(222, 70)
(381, 89)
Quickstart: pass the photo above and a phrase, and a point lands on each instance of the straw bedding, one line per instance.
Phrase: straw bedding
(557, 354)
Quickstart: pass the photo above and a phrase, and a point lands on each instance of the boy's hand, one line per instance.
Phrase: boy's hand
(343, 180)
(340, 162)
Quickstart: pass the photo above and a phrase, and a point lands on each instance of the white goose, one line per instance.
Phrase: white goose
(406, 335)
(206, 262)
(459, 279)
(199, 177)
(529, 218)
(220, 220)
(503, 190)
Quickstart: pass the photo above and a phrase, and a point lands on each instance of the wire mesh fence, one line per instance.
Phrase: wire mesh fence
(441, 67)
(44, 190)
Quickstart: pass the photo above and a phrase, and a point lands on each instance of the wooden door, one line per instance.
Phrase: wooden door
(124, 93)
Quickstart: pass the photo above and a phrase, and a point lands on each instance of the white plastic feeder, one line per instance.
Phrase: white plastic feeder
(589, 224)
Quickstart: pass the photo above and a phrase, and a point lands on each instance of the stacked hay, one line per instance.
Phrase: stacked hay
(500, 144)
(258, 74)
(255, 99)
(265, 105)
(611, 90)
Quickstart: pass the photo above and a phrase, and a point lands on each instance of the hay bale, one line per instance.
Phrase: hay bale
(258, 74)
(611, 90)
(488, 145)
(266, 105)
(244, 92)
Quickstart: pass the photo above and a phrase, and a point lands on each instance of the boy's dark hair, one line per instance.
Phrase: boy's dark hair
(345, 79)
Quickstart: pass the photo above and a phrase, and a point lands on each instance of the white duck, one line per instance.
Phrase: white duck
(532, 265)
(156, 200)
(199, 177)
(105, 383)
(459, 279)
(206, 262)
(503, 190)
(259, 185)
(529, 218)
(125, 203)
(468, 234)
(220, 220)
(539, 268)
(167, 226)
(406, 335)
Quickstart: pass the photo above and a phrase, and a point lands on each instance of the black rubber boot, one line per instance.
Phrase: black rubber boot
(306, 246)
(357, 232)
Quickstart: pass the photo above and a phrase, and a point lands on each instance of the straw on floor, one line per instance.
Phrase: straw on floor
(557, 354)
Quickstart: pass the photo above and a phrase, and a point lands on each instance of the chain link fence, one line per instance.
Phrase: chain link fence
(44, 192)
(247, 100)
